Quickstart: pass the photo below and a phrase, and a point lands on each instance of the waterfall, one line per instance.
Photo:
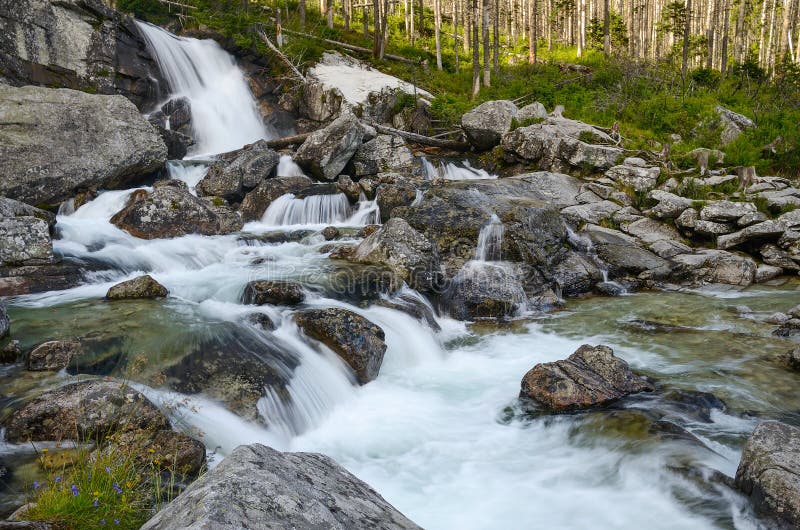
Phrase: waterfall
(224, 113)
(490, 241)
(288, 168)
(335, 209)
(190, 173)
(585, 245)
(452, 171)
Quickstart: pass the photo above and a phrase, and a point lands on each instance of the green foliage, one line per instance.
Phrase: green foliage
(595, 32)
(149, 10)
(692, 188)
(706, 78)
(516, 124)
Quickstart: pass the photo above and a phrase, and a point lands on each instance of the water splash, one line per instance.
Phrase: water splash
(224, 113)
(317, 210)
(490, 241)
(289, 168)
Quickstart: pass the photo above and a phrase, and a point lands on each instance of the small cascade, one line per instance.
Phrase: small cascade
(585, 245)
(224, 113)
(288, 168)
(367, 212)
(188, 172)
(452, 171)
(311, 210)
(418, 198)
(490, 241)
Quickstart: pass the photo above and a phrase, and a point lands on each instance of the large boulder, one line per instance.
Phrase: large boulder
(140, 287)
(327, 151)
(635, 177)
(726, 211)
(623, 254)
(78, 44)
(486, 124)
(359, 342)
(171, 211)
(259, 488)
(733, 124)
(273, 293)
(669, 206)
(559, 143)
(45, 158)
(382, 154)
(25, 234)
(483, 290)
(400, 192)
(590, 377)
(86, 410)
(404, 251)
(714, 266)
(257, 201)
(52, 355)
(769, 473)
(233, 180)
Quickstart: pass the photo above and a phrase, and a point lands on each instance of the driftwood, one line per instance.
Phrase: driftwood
(351, 47)
(454, 145)
(280, 143)
(280, 54)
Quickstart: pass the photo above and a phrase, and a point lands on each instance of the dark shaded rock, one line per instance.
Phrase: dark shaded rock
(485, 290)
(52, 355)
(273, 293)
(260, 320)
(80, 411)
(789, 328)
(623, 254)
(140, 287)
(39, 278)
(170, 211)
(177, 143)
(354, 338)
(177, 112)
(590, 377)
(46, 159)
(330, 233)
(610, 288)
(328, 150)
(276, 237)
(769, 473)
(259, 487)
(390, 196)
(414, 306)
(257, 201)
(792, 358)
(695, 404)
(233, 180)
(346, 185)
(10, 352)
(5, 322)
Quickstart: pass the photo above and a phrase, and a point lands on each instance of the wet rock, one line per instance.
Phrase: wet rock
(177, 143)
(257, 201)
(261, 320)
(404, 251)
(327, 151)
(715, 266)
(486, 124)
(792, 358)
(558, 143)
(346, 185)
(273, 293)
(24, 234)
(233, 180)
(623, 254)
(170, 211)
(45, 159)
(330, 233)
(610, 288)
(359, 342)
(592, 376)
(140, 287)
(383, 153)
(412, 305)
(52, 355)
(30, 279)
(86, 410)
(177, 113)
(259, 487)
(5, 322)
(163, 450)
(769, 473)
(694, 404)
(485, 290)
(576, 274)
(790, 328)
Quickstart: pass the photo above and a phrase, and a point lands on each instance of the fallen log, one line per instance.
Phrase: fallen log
(280, 143)
(280, 54)
(351, 47)
(415, 138)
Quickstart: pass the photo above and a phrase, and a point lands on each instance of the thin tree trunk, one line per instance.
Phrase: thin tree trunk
(496, 38)
(476, 58)
(686, 31)
(455, 35)
(376, 31)
(301, 8)
(724, 46)
(487, 69)
(437, 15)
(606, 28)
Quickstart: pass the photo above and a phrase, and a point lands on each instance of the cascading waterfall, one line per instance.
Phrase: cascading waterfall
(224, 113)
(288, 168)
(453, 171)
(332, 209)
(585, 244)
(490, 241)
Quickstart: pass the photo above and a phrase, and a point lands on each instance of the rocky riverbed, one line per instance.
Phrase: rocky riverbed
(472, 340)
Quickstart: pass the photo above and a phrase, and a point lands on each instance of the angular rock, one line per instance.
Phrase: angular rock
(90, 409)
(231, 181)
(769, 473)
(687, 219)
(765, 273)
(733, 124)
(558, 189)
(715, 266)
(359, 342)
(24, 234)
(590, 377)
(772, 255)
(257, 201)
(273, 293)
(768, 230)
(711, 228)
(390, 196)
(171, 211)
(486, 124)
(593, 213)
(46, 159)
(623, 254)
(140, 287)
(533, 111)
(669, 205)
(52, 355)
(163, 450)
(576, 274)
(726, 211)
(638, 178)
(318, 102)
(485, 290)
(751, 219)
(404, 251)
(327, 151)
(383, 153)
(258, 487)
(792, 358)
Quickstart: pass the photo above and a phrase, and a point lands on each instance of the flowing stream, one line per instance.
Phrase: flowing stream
(440, 432)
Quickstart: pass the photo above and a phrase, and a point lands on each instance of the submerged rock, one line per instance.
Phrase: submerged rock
(769, 473)
(171, 211)
(354, 338)
(592, 376)
(52, 355)
(90, 409)
(328, 150)
(273, 293)
(258, 487)
(46, 159)
(140, 287)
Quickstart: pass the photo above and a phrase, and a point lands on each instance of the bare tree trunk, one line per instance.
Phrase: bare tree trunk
(301, 8)
(455, 35)
(531, 34)
(581, 26)
(437, 24)
(413, 30)
(724, 46)
(329, 12)
(384, 27)
(606, 28)
(346, 13)
(487, 69)
(365, 19)
(686, 31)
(376, 31)
(496, 38)
(476, 58)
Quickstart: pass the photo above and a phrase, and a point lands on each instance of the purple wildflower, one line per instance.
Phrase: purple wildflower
(96, 503)
(117, 488)
(108, 469)
(102, 522)
(36, 484)
(57, 479)
(116, 521)
(74, 489)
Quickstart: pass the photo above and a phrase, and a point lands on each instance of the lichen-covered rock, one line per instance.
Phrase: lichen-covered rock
(171, 211)
(714, 266)
(165, 450)
(257, 201)
(486, 124)
(485, 290)
(382, 154)
(327, 151)
(623, 254)
(233, 180)
(359, 342)
(260, 488)
(401, 192)
(52, 355)
(733, 124)
(25, 234)
(140, 287)
(404, 251)
(590, 377)
(769, 473)
(273, 293)
(669, 206)
(726, 211)
(638, 178)
(532, 112)
(45, 158)
(86, 410)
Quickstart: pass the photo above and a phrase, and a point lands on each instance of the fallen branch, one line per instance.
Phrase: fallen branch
(454, 145)
(280, 54)
(171, 3)
(351, 47)
(280, 143)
